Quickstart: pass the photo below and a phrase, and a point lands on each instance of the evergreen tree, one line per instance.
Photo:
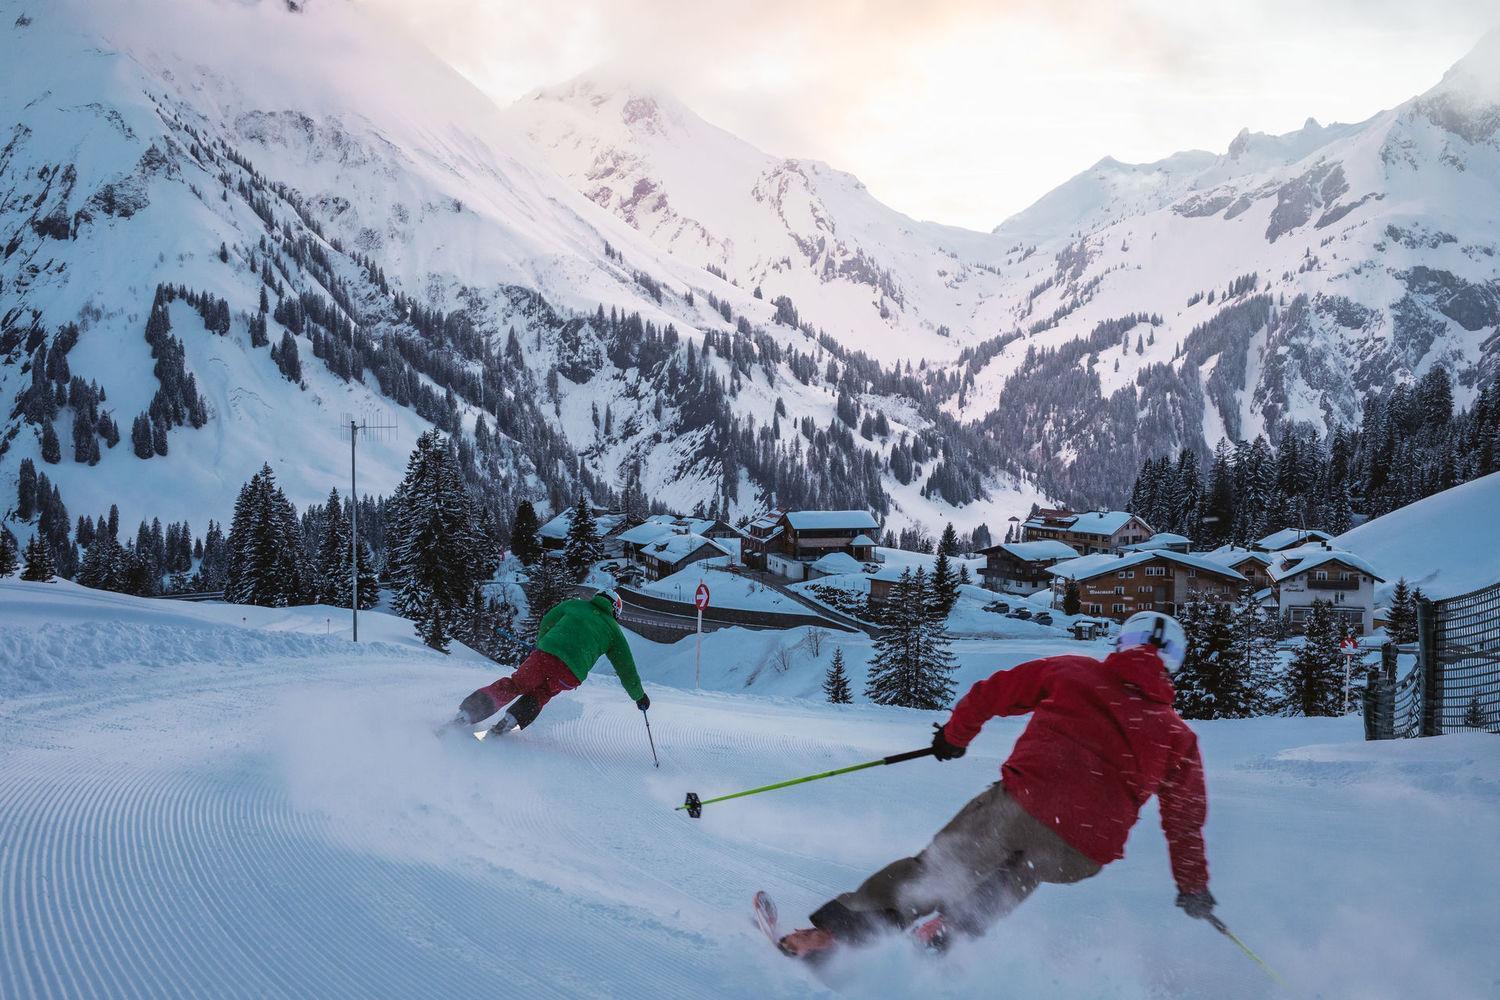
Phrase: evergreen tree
(8, 555)
(944, 586)
(1475, 717)
(265, 562)
(39, 566)
(523, 534)
(333, 561)
(912, 660)
(441, 548)
(1315, 679)
(1402, 627)
(548, 586)
(836, 682)
(582, 548)
(1072, 603)
(1224, 672)
(85, 443)
(948, 543)
(26, 484)
(51, 447)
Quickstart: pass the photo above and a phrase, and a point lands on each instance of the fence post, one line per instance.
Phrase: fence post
(1380, 697)
(1432, 669)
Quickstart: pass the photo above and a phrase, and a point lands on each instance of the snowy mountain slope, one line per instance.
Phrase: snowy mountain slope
(1376, 247)
(270, 817)
(1375, 242)
(1447, 544)
(880, 282)
(409, 221)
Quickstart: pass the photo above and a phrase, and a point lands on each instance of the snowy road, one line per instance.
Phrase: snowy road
(280, 823)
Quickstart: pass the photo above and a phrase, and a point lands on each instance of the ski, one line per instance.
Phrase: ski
(765, 918)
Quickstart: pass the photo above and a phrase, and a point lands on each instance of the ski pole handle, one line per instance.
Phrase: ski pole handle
(901, 758)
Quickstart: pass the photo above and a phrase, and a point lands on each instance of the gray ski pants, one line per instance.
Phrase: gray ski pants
(978, 868)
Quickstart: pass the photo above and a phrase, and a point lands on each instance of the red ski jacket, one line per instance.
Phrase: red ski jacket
(1102, 740)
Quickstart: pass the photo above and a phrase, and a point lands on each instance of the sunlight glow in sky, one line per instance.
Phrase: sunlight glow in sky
(963, 111)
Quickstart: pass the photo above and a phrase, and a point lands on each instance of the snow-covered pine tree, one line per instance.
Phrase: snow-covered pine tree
(9, 554)
(944, 585)
(1217, 679)
(51, 447)
(523, 534)
(333, 561)
(582, 549)
(912, 660)
(965, 578)
(1475, 717)
(439, 550)
(1255, 640)
(39, 566)
(836, 681)
(948, 542)
(1072, 602)
(265, 562)
(1402, 627)
(1315, 679)
(549, 585)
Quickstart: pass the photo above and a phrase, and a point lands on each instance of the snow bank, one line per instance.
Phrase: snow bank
(726, 589)
(1447, 544)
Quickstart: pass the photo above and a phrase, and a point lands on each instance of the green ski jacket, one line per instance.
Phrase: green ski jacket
(579, 632)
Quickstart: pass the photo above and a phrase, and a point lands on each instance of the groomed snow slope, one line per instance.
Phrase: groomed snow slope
(211, 810)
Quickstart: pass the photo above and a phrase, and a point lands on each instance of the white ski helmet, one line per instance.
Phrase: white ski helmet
(614, 598)
(1161, 632)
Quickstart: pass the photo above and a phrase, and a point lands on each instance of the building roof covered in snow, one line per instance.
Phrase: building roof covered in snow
(863, 540)
(1160, 540)
(1288, 538)
(832, 520)
(1310, 557)
(1039, 551)
(837, 564)
(675, 548)
(1233, 555)
(650, 531)
(1088, 567)
(604, 522)
(1094, 522)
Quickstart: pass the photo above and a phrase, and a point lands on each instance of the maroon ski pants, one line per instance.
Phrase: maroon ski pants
(541, 675)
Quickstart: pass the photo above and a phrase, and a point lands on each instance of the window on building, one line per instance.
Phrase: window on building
(1118, 608)
(1119, 590)
(1096, 609)
(1321, 574)
(1156, 571)
(1192, 574)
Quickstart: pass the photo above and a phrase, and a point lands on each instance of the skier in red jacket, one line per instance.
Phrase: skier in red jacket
(1103, 738)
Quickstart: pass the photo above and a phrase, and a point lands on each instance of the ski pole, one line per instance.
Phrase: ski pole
(1223, 929)
(694, 805)
(654, 759)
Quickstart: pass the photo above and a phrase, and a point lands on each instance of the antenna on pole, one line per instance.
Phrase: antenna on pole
(377, 427)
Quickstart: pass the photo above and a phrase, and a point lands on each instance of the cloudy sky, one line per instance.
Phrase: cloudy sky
(965, 111)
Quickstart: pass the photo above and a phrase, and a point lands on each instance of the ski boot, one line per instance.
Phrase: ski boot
(811, 944)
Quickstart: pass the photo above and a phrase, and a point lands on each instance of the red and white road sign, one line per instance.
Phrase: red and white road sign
(1350, 646)
(700, 596)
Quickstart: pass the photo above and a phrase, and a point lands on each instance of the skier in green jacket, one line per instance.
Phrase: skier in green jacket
(569, 641)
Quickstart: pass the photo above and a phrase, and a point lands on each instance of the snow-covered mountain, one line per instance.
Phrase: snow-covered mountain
(595, 284)
(210, 159)
(880, 282)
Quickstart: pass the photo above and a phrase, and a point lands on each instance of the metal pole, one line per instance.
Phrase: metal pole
(353, 535)
(654, 759)
(698, 655)
(694, 806)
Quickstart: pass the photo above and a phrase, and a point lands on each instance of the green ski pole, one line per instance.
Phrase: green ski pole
(1223, 929)
(694, 805)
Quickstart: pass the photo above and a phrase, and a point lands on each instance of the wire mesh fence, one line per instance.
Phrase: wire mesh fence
(1454, 685)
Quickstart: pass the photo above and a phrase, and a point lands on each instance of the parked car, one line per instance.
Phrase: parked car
(1044, 619)
(1021, 613)
(997, 607)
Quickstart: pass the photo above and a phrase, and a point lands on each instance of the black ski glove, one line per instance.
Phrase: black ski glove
(1198, 905)
(644, 703)
(941, 748)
